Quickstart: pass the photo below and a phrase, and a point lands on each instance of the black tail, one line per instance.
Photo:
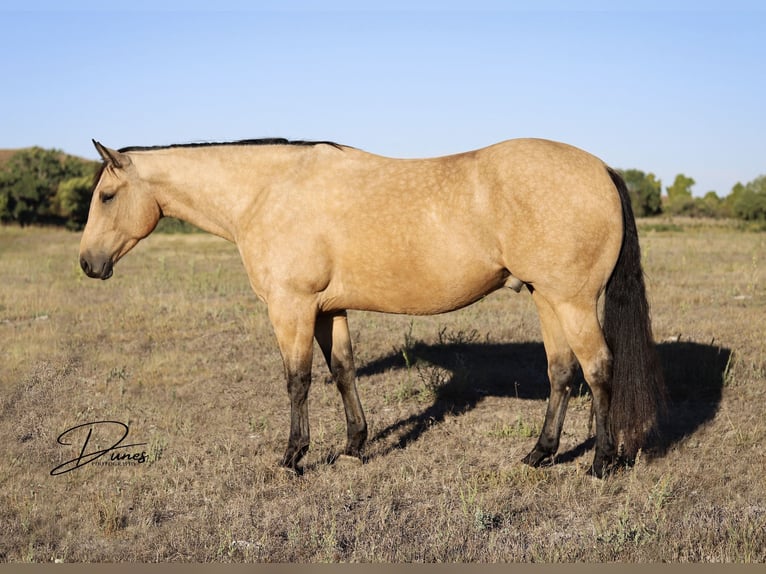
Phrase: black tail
(638, 387)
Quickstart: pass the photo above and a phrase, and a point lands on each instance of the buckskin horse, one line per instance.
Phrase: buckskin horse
(323, 228)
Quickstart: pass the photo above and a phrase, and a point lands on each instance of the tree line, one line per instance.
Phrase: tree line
(40, 186)
(746, 201)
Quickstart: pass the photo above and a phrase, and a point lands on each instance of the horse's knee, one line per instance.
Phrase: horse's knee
(343, 373)
(298, 384)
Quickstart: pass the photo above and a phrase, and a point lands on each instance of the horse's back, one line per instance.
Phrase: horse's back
(432, 235)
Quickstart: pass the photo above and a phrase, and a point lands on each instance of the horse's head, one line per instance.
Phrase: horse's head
(122, 212)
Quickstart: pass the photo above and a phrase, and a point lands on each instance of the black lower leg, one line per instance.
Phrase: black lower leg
(356, 425)
(606, 453)
(298, 442)
(560, 373)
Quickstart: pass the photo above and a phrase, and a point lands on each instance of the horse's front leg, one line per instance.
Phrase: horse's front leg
(293, 324)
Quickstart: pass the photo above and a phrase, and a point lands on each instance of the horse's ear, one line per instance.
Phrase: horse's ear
(112, 157)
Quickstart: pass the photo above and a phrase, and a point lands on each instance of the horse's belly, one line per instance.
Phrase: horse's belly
(416, 292)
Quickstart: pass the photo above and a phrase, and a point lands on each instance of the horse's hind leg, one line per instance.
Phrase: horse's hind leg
(561, 370)
(583, 331)
(332, 334)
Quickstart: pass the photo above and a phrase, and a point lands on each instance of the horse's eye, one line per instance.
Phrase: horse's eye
(106, 196)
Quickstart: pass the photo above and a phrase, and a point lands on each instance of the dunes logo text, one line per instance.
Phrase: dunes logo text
(99, 443)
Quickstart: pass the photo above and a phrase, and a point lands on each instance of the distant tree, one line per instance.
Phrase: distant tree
(645, 192)
(5, 209)
(748, 201)
(709, 206)
(72, 200)
(29, 181)
(680, 200)
(732, 198)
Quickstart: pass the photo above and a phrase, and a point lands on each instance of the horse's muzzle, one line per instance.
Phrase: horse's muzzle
(97, 269)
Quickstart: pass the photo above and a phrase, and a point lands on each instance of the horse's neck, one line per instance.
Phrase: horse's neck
(196, 192)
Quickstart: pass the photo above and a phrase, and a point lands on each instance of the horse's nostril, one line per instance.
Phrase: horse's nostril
(85, 265)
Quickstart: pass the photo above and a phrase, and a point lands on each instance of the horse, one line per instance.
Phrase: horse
(323, 228)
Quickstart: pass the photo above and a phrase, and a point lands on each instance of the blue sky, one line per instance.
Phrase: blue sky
(667, 87)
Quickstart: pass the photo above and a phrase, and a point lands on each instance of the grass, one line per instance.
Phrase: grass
(177, 347)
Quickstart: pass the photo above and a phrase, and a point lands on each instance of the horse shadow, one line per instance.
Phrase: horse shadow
(460, 375)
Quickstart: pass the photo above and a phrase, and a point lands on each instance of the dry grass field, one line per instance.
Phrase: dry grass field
(177, 348)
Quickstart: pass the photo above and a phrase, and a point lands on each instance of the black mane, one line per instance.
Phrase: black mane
(264, 141)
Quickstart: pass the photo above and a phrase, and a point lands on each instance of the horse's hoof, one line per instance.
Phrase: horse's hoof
(604, 467)
(537, 458)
